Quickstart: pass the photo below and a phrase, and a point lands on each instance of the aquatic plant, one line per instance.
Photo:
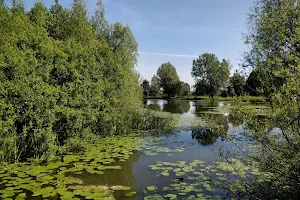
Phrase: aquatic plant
(26, 179)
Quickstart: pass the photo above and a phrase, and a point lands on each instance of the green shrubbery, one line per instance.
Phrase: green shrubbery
(274, 51)
(63, 76)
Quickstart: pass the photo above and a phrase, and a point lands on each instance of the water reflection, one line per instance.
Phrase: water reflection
(154, 106)
(175, 106)
(172, 106)
(204, 136)
(183, 106)
(218, 119)
(204, 106)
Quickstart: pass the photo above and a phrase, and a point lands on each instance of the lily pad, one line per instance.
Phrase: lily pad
(154, 197)
(129, 194)
(120, 188)
(151, 188)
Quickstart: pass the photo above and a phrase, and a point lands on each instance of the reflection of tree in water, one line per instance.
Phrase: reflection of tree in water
(235, 120)
(204, 136)
(176, 106)
(218, 128)
(203, 106)
(154, 106)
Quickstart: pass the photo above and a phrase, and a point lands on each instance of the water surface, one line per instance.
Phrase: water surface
(197, 145)
(162, 160)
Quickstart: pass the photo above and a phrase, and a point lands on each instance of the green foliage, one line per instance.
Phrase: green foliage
(146, 88)
(155, 87)
(210, 74)
(63, 79)
(274, 40)
(147, 119)
(254, 83)
(183, 89)
(272, 51)
(237, 83)
(31, 180)
(168, 78)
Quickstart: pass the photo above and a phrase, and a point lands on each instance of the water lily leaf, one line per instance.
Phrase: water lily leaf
(151, 188)
(21, 196)
(66, 195)
(165, 173)
(7, 193)
(176, 170)
(120, 187)
(154, 197)
(171, 196)
(180, 174)
(187, 169)
(129, 194)
(112, 167)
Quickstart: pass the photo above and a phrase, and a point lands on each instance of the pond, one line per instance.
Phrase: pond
(170, 164)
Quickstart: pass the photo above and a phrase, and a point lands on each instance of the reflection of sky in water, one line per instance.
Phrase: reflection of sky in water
(186, 108)
(158, 102)
(146, 177)
(192, 110)
(199, 145)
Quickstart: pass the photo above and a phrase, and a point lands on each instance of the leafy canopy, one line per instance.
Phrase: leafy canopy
(210, 74)
(168, 78)
(64, 77)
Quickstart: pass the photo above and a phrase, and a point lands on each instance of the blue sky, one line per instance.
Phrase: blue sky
(178, 30)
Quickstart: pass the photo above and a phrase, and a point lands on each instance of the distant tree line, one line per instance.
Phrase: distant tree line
(166, 82)
(212, 78)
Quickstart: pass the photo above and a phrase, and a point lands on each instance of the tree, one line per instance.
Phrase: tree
(254, 83)
(269, 50)
(237, 82)
(210, 73)
(155, 87)
(39, 15)
(274, 38)
(183, 89)
(146, 88)
(99, 23)
(201, 88)
(168, 78)
(59, 25)
(63, 80)
(186, 89)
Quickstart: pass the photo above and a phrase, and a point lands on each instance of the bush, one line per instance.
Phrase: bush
(57, 85)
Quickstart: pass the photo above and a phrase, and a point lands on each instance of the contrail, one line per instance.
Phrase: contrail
(164, 54)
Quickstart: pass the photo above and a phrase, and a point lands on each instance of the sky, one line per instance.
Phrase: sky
(178, 31)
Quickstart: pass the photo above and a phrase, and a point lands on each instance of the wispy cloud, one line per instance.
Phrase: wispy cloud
(165, 54)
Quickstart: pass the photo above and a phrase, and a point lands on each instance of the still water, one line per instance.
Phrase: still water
(193, 144)
(161, 165)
